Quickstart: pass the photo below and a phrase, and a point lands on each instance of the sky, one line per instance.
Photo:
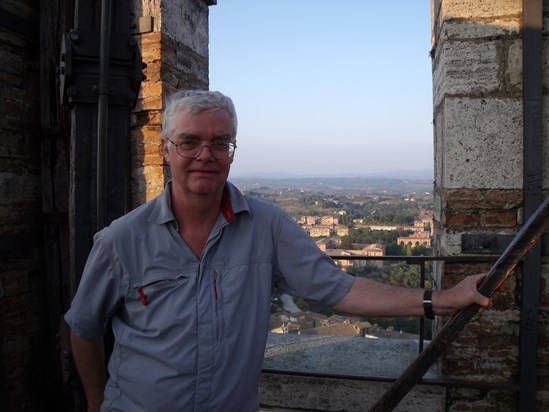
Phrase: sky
(325, 87)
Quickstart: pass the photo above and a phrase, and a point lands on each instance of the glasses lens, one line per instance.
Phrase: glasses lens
(192, 149)
(230, 149)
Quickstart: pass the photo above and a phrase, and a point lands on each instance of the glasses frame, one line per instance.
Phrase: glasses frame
(230, 154)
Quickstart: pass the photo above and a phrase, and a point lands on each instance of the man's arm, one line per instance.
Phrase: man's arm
(370, 298)
(89, 359)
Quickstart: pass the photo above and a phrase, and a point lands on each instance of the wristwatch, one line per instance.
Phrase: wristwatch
(428, 304)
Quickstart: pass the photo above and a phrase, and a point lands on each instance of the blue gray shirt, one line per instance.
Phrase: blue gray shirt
(190, 333)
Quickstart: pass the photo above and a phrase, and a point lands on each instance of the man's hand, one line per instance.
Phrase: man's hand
(465, 293)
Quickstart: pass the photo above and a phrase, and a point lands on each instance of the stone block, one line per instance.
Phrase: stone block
(151, 51)
(467, 68)
(149, 8)
(460, 29)
(479, 10)
(150, 89)
(450, 243)
(513, 67)
(152, 71)
(150, 103)
(482, 144)
(187, 23)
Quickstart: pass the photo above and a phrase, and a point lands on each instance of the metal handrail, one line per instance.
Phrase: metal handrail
(411, 260)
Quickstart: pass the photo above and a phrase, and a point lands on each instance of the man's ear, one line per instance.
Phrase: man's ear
(166, 150)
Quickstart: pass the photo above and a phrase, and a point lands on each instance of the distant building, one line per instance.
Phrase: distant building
(336, 329)
(329, 220)
(417, 239)
(320, 231)
(324, 244)
(311, 323)
(382, 227)
(341, 230)
(375, 249)
(366, 250)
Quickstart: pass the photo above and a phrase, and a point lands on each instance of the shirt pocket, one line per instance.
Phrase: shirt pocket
(159, 301)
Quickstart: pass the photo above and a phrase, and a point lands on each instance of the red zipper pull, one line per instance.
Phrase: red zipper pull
(142, 296)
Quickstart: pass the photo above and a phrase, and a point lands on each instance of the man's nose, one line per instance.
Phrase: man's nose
(205, 153)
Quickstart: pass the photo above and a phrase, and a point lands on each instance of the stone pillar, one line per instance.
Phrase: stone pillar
(478, 138)
(173, 38)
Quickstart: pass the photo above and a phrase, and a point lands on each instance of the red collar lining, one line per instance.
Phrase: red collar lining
(227, 207)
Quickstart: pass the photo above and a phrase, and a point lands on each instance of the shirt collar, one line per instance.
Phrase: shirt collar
(232, 203)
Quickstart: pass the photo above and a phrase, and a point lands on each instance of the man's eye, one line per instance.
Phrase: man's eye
(220, 144)
(187, 144)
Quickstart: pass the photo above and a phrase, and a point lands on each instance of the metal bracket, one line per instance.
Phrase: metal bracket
(79, 69)
(485, 244)
(491, 244)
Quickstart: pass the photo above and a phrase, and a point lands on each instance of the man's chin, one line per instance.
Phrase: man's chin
(206, 188)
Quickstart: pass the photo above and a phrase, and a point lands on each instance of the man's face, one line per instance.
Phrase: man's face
(204, 174)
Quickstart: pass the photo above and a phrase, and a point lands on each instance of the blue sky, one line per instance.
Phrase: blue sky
(326, 87)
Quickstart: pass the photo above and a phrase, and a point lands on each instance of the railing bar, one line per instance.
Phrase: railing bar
(447, 383)
(411, 259)
(421, 319)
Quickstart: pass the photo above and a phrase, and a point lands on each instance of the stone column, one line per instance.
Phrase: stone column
(173, 38)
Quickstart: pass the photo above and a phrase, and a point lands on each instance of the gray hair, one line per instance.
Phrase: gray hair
(194, 101)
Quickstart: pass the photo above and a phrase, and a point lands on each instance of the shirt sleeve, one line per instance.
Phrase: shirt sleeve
(302, 269)
(98, 295)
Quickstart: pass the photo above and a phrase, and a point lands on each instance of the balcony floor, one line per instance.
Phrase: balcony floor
(385, 358)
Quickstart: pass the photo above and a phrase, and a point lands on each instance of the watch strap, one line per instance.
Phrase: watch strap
(428, 304)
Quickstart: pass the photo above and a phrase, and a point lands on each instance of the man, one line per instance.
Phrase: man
(186, 280)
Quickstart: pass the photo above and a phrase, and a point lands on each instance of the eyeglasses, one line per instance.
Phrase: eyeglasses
(191, 149)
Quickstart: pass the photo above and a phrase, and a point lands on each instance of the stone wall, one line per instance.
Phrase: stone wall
(24, 337)
(478, 135)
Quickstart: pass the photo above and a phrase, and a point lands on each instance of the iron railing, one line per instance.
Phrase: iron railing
(421, 262)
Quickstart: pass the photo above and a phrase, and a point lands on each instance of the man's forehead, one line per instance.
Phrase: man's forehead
(216, 122)
(186, 135)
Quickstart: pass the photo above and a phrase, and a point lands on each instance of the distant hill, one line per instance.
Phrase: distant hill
(346, 184)
(416, 174)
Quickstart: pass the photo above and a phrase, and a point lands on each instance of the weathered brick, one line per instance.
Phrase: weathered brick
(463, 194)
(498, 218)
(512, 198)
(458, 218)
